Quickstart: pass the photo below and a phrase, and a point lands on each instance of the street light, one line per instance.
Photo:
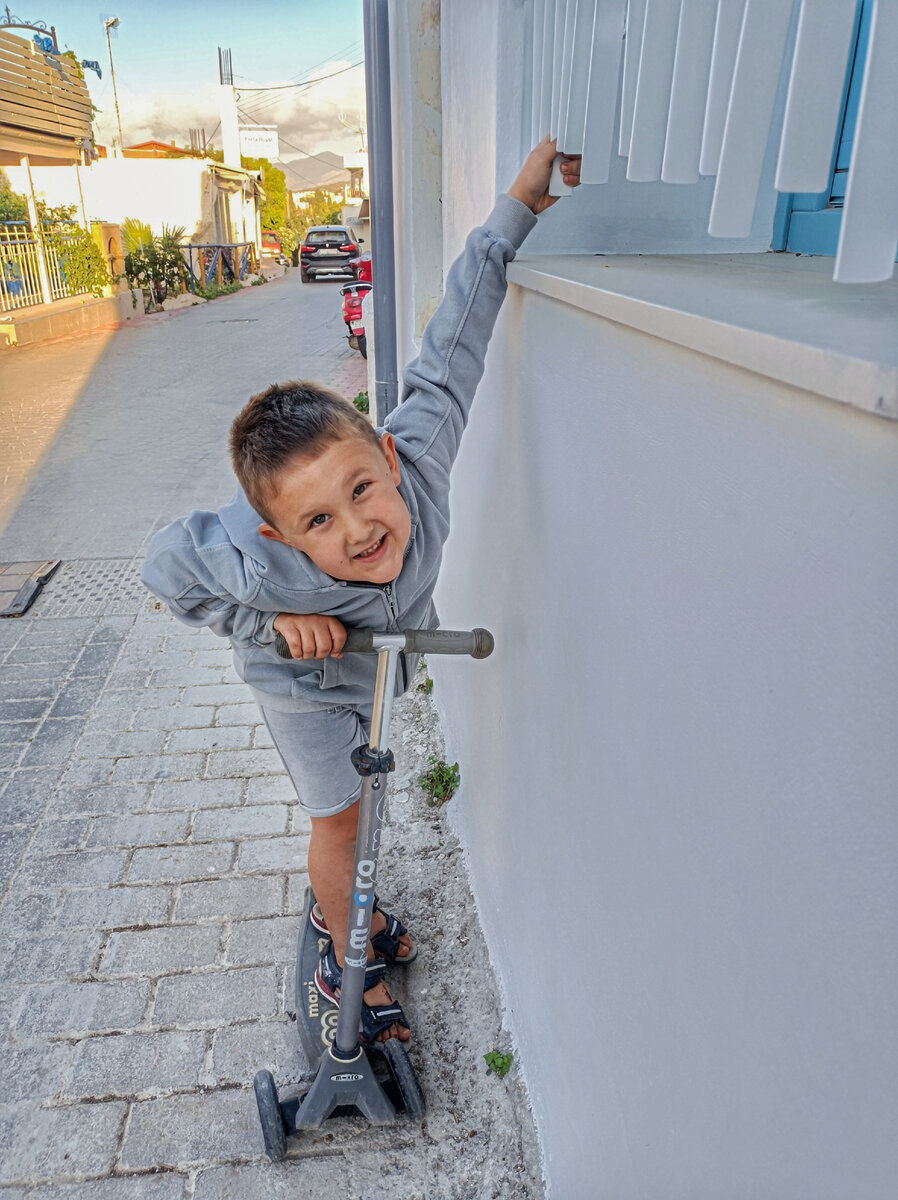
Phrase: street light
(112, 23)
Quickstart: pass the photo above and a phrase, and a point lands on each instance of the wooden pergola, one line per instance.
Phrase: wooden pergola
(45, 109)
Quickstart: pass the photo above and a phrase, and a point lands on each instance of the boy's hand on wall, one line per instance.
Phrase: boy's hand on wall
(311, 635)
(532, 184)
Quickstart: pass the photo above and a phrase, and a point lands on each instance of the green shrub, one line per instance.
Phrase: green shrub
(153, 262)
(79, 256)
(214, 289)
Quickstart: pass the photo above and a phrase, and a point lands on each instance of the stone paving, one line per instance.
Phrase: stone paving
(152, 854)
(153, 866)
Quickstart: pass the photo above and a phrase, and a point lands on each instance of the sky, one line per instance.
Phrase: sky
(165, 54)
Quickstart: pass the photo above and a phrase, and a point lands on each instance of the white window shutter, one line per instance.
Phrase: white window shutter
(689, 92)
(759, 61)
(813, 105)
(697, 82)
(727, 28)
(869, 236)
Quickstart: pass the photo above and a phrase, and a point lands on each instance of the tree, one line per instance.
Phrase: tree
(274, 183)
(13, 207)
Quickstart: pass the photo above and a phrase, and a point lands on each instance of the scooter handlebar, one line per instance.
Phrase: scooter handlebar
(478, 643)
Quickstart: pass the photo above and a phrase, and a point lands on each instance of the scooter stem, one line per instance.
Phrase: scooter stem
(372, 806)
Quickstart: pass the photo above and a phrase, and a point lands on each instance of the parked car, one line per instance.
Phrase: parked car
(327, 250)
(271, 243)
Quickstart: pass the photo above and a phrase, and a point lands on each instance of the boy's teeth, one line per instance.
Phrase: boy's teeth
(367, 553)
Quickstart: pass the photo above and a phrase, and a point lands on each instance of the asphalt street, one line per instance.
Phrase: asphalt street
(152, 853)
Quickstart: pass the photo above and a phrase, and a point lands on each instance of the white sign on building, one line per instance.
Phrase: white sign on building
(259, 141)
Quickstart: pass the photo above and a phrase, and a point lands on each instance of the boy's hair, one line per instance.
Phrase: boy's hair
(285, 421)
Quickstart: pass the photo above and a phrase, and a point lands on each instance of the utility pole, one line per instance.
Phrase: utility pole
(230, 132)
(112, 23)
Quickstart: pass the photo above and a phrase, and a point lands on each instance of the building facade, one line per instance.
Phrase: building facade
(674, 507)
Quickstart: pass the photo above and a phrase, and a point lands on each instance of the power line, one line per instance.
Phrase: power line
(280, 87)
(304, 153)
(335, 54)
(261, 103)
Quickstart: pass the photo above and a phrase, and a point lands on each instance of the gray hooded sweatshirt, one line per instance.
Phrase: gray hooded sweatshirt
(215, 569)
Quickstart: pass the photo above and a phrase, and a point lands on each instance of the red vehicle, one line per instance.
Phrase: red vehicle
(271, 243)
(362, 268)
(353, 294)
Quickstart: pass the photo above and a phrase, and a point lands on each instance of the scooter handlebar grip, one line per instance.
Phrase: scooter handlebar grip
(358, 641)
(476, 642)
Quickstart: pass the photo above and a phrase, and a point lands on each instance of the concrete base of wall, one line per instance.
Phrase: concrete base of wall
(64, 317)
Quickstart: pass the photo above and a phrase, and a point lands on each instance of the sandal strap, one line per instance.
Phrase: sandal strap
(332, 973)
(378, 1017)
(316, 916)
(386, 943)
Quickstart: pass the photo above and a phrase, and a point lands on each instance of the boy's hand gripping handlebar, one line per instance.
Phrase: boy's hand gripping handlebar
(476, 642)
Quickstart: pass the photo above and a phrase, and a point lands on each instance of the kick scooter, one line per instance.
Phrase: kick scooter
(347, 1080)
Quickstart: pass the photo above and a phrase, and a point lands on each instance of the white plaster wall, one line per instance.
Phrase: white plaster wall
(679, 768)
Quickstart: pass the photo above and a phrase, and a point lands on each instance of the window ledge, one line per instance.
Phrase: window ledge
(780, 315)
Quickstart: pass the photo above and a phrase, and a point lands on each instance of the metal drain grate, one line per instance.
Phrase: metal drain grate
(94, 587)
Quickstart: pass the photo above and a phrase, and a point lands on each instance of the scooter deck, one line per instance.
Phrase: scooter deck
(316, 1016)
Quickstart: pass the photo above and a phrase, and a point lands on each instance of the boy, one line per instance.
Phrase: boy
(353, 522)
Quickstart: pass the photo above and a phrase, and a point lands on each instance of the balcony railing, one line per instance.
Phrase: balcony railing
(25, 257)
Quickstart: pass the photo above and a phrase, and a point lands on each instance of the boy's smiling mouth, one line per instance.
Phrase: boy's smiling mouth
(373, 550)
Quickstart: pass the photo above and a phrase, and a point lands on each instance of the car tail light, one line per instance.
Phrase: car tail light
(307, 249)
(351, 247)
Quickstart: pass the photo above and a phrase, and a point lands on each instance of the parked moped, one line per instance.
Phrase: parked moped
(353, 294)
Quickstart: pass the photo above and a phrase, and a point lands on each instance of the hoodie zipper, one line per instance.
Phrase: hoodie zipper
(391, 600)
(390, 597)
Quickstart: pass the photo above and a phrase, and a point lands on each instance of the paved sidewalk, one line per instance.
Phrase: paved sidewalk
(152, 859)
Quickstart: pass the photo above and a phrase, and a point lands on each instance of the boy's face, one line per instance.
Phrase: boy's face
(342, 508)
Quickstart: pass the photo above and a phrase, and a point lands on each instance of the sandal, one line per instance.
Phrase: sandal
(386, 943)
(375, 1018)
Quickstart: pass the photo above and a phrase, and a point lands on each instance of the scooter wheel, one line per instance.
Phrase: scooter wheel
(363, 345)
(274, 1131)
(405, 1078)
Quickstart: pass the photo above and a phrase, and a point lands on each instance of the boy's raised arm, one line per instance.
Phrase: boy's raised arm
(439, 385)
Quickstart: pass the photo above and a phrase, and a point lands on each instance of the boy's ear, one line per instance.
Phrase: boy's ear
(269, 531)
(388, 445)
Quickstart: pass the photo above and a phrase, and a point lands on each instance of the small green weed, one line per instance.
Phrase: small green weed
(258, 281)
(499, 1063)
(440, 782)
(212, 291)
(426, 685)
(361, 401)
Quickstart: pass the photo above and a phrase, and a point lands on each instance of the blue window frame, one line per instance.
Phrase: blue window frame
(809, 223)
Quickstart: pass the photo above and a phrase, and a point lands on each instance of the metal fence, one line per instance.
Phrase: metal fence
(223, 262)
(26, 258)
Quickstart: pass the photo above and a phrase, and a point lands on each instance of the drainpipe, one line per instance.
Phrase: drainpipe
(380, 171)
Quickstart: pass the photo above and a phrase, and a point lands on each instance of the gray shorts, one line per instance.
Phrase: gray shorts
(315, 749)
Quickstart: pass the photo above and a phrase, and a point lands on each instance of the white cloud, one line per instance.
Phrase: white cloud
(307, 118)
